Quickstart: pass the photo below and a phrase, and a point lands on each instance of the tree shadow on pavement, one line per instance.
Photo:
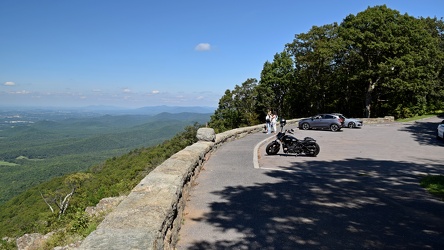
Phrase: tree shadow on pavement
(351, 204)
(424, 133)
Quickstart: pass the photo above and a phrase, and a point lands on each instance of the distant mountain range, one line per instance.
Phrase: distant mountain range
(153, 110)
(113, 110)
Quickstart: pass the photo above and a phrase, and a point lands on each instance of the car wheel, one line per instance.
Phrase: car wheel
(351, 125)
(334, 127)
(305, 126)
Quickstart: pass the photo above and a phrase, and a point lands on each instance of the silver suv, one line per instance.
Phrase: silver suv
(322, 121)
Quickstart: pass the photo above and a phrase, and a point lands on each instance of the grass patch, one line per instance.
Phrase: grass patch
(434, 184)
(8, 164)
(27, 159)
(419, 117)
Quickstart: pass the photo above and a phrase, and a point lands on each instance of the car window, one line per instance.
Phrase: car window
(329, 117)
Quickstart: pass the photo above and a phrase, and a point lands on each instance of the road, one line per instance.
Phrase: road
(361, 192)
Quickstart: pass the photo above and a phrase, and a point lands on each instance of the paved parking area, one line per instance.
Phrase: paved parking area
(361, 192)
(413, 142)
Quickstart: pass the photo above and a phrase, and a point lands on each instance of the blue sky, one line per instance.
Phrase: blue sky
(135, 53)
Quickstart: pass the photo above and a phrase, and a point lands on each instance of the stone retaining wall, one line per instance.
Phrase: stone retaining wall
(386, 119)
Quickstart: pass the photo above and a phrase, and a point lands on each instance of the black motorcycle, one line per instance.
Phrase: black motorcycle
(291, 144)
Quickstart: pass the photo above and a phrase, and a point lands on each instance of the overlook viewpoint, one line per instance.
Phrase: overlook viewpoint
(349, 197)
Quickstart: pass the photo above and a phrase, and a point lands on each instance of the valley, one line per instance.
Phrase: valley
(39, 144)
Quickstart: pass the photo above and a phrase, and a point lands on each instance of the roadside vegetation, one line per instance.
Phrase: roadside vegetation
(434, 184)
(419, 117)
(31, 212)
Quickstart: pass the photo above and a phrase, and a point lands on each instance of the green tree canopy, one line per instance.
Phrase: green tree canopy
(237, 108)
(376, 63)
(393, 57)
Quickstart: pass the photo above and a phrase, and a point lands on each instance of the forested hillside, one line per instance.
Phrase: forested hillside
(40, 151)
(376, 63)
(30, 212)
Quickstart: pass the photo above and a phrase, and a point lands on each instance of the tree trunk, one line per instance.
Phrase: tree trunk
(64, 204)
(368, 96)
(50, 207)
(368, 102)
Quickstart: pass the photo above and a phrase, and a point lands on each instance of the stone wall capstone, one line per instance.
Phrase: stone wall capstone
(206, 134)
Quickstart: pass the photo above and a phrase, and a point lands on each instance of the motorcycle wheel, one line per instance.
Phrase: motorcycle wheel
(272, 148)
(313, 149)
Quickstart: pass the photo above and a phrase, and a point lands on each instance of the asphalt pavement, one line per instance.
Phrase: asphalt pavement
(361, 192)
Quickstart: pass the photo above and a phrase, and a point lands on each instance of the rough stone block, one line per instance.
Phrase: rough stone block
(206, 134)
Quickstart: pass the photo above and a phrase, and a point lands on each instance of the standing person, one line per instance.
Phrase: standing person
(268, 121)
(273, 122)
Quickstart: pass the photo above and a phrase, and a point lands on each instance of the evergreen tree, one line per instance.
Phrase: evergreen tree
(237, 108)
(274, 87)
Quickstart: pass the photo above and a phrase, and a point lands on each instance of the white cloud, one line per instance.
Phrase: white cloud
(22, 92)
(126, 90)
(203, 47)
(9, 84)
(155, 92)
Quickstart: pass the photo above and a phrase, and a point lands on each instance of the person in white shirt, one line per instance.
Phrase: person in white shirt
(274, 118)
(268, 119)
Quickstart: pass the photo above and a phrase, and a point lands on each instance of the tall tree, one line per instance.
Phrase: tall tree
(435, 97)
(276, 78)
(314, 54)
(245, 101)
(389, 54)
(236, 108)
